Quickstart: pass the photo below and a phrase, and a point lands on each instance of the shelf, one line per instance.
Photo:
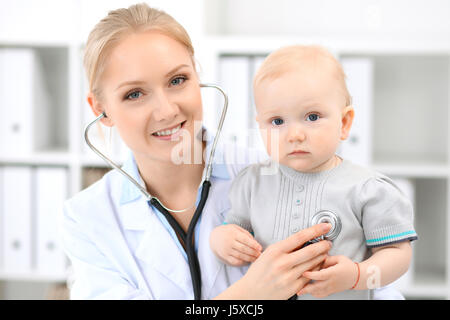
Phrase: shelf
(412, 170)
(51, 158)
(243, 44)
(33, 277)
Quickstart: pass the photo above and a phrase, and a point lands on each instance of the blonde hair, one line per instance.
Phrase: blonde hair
(119, 23)
(298, 57)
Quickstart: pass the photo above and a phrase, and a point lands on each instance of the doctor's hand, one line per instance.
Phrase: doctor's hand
(234, 245)
(277, 273)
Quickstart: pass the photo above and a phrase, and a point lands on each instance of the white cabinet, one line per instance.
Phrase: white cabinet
(31, 204)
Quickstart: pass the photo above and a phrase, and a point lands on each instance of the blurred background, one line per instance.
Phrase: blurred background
(396, 55)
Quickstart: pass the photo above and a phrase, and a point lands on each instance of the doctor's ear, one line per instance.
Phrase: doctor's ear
(97, 108)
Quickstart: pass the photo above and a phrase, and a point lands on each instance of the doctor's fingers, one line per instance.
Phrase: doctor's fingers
(311, 264)
(297, 272)
(305, 281)
(297, 240)
(314, 252)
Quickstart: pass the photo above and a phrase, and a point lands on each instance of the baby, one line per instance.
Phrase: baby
(303, 104)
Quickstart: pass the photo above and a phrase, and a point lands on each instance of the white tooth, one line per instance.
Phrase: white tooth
(168, 132)
(175, 129)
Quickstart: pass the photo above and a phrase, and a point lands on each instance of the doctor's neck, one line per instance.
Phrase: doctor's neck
(166, 178)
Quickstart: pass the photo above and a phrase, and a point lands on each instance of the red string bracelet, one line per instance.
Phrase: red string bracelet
(357, 279)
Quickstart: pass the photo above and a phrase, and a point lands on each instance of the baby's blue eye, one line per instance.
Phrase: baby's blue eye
(312, 117)
(277, 122)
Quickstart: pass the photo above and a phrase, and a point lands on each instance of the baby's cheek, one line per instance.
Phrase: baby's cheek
(326, 144)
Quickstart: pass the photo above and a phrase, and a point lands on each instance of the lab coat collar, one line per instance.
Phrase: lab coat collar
(131, 193)
(129, 190)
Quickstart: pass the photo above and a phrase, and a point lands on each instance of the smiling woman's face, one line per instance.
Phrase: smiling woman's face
(150, 90)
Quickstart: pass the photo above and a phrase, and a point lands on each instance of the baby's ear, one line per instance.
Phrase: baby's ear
(348, 113)
(98, 108)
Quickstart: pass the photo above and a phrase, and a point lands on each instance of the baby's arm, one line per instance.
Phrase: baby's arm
(234, 245)
(339, 273)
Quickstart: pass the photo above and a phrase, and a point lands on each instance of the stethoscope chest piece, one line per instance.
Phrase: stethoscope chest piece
(326, 216)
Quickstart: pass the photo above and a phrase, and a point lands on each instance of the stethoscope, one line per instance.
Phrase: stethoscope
(324, 216)
(186, 237)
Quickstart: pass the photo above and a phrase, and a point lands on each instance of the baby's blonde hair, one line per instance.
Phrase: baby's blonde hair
(119, 23)
(298, 57)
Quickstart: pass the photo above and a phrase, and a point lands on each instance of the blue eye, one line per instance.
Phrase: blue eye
(277, 122)
(177, 81)
(312, 117)
(133, 95)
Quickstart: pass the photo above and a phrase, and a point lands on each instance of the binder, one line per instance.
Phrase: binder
(24, 103)
(358, 146)
(3, 94)
(256, 141)
(235, 80)
(51, 190)
(17, 220)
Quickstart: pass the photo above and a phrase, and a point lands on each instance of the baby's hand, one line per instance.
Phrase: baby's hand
(234, 245)
(338, 273)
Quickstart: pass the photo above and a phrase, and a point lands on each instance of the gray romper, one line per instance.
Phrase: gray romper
(274, 205)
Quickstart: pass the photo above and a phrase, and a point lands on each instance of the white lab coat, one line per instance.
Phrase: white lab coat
(120, 248)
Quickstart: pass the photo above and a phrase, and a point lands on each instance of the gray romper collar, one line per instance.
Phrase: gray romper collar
(304, 177)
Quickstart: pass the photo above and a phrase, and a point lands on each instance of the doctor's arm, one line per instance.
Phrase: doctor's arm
(95, 276)
(277, 273)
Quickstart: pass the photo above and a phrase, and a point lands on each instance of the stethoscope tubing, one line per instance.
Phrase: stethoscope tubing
(188, 238)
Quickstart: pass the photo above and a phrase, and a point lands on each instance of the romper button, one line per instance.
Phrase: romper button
(298, 202)
(300, 188)
(294, 229)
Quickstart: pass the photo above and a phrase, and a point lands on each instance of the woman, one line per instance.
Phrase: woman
(141, 71)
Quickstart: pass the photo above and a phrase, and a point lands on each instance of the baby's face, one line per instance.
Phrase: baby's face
(306, 115)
